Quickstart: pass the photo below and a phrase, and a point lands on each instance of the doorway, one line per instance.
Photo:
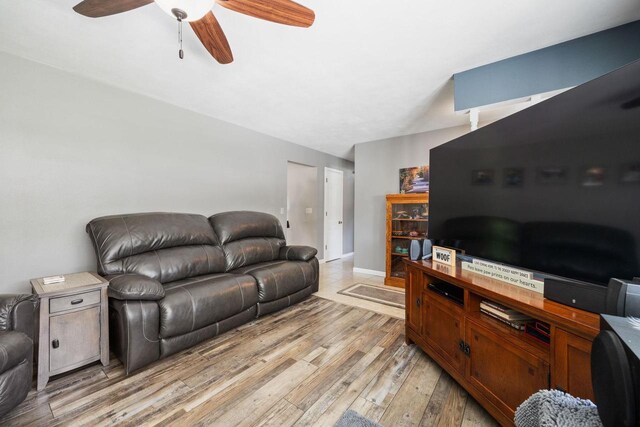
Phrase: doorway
(302, 209)
(333, 187)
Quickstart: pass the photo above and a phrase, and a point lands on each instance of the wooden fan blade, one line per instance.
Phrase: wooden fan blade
(100, 8)
(212, 37)
(281, 11)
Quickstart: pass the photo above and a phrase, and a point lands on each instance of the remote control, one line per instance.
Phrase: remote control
(52, 279)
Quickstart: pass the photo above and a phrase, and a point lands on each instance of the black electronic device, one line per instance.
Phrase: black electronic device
(615, 371)
(585, 296)
(623, 298)
(619, 298)
(553, 188)
(448, 291)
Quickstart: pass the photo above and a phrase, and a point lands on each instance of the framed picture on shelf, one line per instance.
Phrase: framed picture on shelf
(414, 180)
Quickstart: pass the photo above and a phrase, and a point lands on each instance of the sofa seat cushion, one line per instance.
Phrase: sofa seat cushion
(192, 304)
(191, 280)
(277, 279)
(14, 348)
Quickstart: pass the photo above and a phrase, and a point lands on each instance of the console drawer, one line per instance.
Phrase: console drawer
(57, 305)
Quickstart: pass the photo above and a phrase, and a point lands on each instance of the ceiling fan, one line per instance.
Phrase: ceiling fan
(199, 16)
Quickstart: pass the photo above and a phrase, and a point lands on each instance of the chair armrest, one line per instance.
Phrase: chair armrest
(134, 287)
(297, 253)
(17, 313)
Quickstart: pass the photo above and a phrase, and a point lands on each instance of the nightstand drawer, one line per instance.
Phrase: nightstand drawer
(57, 305)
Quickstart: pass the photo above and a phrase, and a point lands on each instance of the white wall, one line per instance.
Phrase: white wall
(72, 149)
(377, 174)
(302, 195)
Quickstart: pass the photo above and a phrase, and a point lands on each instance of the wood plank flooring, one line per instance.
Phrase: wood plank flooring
(338, 275)
(303, 366)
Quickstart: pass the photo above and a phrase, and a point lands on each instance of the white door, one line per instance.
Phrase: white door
(332, 214)
(302, 215)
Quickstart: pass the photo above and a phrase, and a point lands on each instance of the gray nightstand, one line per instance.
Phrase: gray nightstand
(73, 324)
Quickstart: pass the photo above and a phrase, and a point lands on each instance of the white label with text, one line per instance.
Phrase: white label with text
(517, 280)
(444, 255)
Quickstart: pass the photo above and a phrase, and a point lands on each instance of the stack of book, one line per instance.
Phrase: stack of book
(513, 318)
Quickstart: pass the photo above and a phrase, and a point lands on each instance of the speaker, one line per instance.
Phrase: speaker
(623, 298)
(415, 250)
(426, 249)
(586, 296)
(614, 372)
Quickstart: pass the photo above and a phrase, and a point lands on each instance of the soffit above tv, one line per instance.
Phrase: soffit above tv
(554, 68)
(612, 99)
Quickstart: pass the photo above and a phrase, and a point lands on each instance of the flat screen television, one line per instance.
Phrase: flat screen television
(554, 188)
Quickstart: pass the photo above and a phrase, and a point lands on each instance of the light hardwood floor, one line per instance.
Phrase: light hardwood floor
(302, 366)
(338, 275)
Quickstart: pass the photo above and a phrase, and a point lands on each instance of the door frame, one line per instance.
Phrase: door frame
(324, 208)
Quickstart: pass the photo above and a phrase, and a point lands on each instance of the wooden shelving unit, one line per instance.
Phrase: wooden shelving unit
(498, 365)
(406, 213)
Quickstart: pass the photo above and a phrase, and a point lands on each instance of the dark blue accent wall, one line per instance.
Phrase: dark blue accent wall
(556, 67)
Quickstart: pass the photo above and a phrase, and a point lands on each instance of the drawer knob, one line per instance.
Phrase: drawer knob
(77, 301)
(55, 343)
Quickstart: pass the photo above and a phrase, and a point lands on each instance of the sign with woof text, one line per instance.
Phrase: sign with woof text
(444, 255)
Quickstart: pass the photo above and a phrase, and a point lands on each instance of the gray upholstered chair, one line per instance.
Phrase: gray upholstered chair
(16, 349)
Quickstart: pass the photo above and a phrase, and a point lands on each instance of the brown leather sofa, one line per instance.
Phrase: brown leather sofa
(178, 279)
(17, 314)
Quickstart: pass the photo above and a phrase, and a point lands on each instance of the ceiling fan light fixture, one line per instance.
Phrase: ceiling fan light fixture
(194, 9)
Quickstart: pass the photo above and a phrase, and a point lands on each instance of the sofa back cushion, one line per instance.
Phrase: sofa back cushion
(163, 246)
(248, 237)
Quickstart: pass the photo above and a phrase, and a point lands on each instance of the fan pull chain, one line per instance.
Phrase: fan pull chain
(180, 52)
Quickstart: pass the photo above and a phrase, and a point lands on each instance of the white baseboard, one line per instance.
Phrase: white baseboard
(322, 261)
(367, 271)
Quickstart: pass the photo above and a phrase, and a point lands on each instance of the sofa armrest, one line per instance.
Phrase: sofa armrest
(17, 313)
(297, 253)
(134, 287)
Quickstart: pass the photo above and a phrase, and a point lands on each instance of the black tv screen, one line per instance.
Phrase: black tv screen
(554, 188)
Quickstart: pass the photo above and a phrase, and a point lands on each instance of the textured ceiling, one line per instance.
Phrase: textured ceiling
(366, 70)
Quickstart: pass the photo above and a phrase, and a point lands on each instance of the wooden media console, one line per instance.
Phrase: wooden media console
(498, 365)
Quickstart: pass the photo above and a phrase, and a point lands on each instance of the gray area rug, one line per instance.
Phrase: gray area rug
(353, 419)
(553, 408)
(393, 297)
